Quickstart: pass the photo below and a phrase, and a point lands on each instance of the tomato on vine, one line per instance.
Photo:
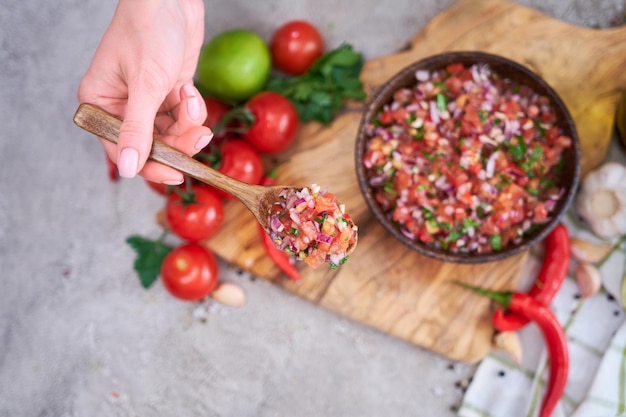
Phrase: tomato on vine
(295, 46)
(238, 160)
(275, 123)
(216, 110)
(190, 272)
(196, 215)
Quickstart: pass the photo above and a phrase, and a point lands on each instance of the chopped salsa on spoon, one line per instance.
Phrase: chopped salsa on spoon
(311, 225)
(465, 160)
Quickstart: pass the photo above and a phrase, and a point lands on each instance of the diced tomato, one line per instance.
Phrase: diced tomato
(315, 258)
(510, 109)
(402, 180)
(472, 117)
(540, 212)
(455, 67)
(454, 85)
(308, 230)
(400, 116)
(425, 236)
(325, 203)
(329, 226)
(385, 117)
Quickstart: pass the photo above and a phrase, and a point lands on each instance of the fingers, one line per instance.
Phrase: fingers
(155, 172)
(136, 132)
(190, 112)
(190, 143)
(181, 129)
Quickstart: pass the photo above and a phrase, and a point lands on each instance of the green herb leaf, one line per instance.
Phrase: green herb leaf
(388, 187)
(470, 223)
(441, 85)
(319, 94)
(536, 154)
(454, 236)
(496, 242)
(442, 102)
(341, 262)
(150, 255)
(518, 151)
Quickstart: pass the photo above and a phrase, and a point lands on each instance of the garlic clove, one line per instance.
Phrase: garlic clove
(601, 200)
(586, 251)
(509, 343)
(588, 279)
(229, 294)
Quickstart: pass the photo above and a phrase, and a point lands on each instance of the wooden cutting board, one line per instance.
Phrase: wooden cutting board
(385, 285)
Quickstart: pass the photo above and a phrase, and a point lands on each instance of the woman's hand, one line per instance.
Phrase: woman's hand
(143, 72)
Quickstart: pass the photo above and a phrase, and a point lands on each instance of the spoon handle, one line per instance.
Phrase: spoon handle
(105, 125)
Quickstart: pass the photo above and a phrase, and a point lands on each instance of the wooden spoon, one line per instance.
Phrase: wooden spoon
(257, 198)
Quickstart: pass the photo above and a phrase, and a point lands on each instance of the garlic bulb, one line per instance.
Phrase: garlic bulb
(601, 200)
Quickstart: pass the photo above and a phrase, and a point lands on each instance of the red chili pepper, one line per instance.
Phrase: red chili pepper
(549, 279)
(279, 257)
(555, 339)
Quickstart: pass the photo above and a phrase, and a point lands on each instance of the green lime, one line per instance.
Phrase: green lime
(234, 65)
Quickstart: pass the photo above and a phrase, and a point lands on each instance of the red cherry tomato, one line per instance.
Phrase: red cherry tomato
(197, 220)
(190, 272)
(239, 160)
(295, 46)
(276, 122)
(216, 110)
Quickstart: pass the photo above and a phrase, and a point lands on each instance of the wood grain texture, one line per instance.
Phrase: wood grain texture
(384, 284)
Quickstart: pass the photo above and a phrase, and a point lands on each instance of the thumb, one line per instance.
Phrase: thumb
(136, 132)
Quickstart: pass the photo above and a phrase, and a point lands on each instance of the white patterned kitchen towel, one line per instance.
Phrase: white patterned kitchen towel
(596, 334)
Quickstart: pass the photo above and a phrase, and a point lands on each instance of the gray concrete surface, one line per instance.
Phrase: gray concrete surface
(80, 337)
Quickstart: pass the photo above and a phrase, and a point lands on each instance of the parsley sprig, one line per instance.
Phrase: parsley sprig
(149, 257)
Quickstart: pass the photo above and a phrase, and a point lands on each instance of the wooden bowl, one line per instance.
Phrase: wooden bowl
(505, 68)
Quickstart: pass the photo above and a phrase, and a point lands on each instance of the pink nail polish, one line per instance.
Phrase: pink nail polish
(127, 162)
(173, 182)
(193, 102)
(203, 141)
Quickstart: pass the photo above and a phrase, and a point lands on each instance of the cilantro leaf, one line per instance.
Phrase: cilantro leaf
(442, 102)
(518, 151)
(150, 255)
(319, 94)
(496, 242)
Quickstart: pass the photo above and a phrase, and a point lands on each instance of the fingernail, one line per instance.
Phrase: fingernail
(193, 102)
(127, 162)
(173, 182)
(203, 141)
